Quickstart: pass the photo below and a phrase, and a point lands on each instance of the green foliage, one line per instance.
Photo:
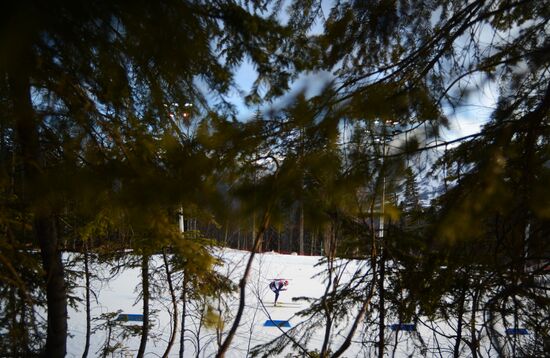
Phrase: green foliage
(117, 332)
(100, 146)
(407, 61)
(212, 319)
(97, 140)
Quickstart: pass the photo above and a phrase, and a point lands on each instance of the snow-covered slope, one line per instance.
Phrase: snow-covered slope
(120, 293)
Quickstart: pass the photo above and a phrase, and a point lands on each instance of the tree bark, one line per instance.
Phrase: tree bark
(327, 307)
(473, 339)
(183, 314)
(56, 295)
(382, 308)
(44, 226)
(174, 306)
(226, 233)
(13, 326)
(364, 307)
(88, 312)
(301, 240)
(145, 296)
(456, 351)
(242, 287)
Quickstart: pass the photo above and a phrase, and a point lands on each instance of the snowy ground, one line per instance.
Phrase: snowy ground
(121, 294)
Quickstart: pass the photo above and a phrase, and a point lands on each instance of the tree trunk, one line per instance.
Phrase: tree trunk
(242, 288)
(301, 240)
(456, 351)
(328, 329)
(324, 304)
(382, 308)
(199, 329)
(44, 221)
(278, 240)
(473, 339)
(25, 327)
(88, 313)
(494, 337)
(145, 295)
(291, 236)
(516, 325)
(239, 239)
(253, 231)
(13, 326)
(183, 314)
(56, 296)
(226, 233)
(366, 302)
(107, 346)
(174, 305)
(312, 243)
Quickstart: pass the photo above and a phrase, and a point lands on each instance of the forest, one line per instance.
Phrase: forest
(123, 144)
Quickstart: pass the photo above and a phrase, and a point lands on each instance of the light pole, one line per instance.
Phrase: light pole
(384, 138)
(173, 111)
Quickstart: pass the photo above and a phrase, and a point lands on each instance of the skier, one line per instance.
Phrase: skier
(277, 286)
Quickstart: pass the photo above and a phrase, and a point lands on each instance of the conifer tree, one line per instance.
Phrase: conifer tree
(410, 61)
(83, 90)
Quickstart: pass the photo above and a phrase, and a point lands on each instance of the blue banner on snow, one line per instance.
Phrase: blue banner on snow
(517, 331)
(409, 327)
(276, 323)
(130, 317)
